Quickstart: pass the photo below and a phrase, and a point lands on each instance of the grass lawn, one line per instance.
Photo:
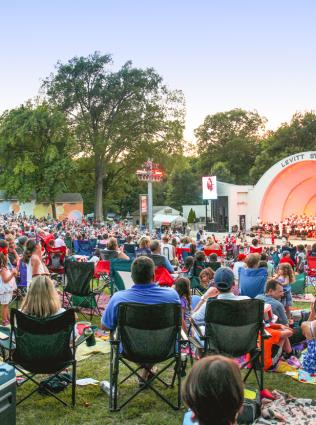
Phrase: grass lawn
(145, 409)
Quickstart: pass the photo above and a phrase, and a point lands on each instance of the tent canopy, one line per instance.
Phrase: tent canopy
(168, 219)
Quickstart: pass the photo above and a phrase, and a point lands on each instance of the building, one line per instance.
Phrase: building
(288, 187)
(68, 205)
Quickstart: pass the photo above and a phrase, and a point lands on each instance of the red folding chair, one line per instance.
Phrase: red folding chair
(163, 277)
(55, 259)
(182, 253)
(209, 252)
(311, 271)
(102, 271)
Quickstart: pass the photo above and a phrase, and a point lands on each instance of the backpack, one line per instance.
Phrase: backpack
(251, 408)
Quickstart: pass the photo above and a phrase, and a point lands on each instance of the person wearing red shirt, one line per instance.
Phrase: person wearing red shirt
(287, 259)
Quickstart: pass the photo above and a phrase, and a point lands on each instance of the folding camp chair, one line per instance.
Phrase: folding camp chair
(311, 271)
(120, 274)
(146, 335)
(21, 284)
(78, 288)
(56, 261)
(195, 285)
(108, 254)
(42, 346)
(130, 250)
(234, 328)
(83, 248)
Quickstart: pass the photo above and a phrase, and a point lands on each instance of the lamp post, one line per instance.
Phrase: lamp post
(151, 173)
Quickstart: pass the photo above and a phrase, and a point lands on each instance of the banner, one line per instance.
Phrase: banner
(209, 187)
(143, 204)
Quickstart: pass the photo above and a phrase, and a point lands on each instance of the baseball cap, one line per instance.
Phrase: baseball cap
(224, 278)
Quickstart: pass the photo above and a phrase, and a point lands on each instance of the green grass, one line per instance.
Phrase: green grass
(145, 409)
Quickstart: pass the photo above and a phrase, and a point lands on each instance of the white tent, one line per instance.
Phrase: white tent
(168, 220)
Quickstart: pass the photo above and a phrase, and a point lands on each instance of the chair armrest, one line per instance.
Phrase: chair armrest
(184, 336)
(265, 334)
(197, 329)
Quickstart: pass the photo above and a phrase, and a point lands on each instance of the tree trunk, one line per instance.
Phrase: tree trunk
(54, 210)
(99, 173)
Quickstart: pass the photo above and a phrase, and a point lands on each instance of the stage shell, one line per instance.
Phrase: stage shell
(288, 187)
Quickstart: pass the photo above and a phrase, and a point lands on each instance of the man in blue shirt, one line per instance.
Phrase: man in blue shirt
(144, 291)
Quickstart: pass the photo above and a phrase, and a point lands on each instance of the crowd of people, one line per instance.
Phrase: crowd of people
(203, 267)
(297, 226)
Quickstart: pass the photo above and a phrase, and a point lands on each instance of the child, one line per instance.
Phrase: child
(182, 286)
(286, 277)
(7, 282)
(214, 392)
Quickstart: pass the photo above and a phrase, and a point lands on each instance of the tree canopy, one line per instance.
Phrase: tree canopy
(122, 117)
(35, 152)
(228, 143)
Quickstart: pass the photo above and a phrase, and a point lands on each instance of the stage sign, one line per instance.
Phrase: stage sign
(143, 204)
(209, 187)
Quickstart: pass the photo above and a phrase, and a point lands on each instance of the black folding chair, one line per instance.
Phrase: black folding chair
(146, 335)
(234, 328)
(78, 287)
(43, 346)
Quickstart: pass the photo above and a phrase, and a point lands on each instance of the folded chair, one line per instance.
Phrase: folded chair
(234, 328)
(78, 288)
(21, 284)
(120, 274)
(43, 346)
(146, 335)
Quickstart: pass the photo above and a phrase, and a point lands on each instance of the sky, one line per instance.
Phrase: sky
(225, 54)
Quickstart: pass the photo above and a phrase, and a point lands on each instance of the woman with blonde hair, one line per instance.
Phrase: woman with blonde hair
(42, 299)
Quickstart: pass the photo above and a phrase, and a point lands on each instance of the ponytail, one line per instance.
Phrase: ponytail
(30, 248)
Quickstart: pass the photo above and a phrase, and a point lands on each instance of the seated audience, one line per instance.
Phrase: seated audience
(42, 299)
(214, 264)
(224, 282)
(286, 258)
(252, 280)
(273, 295)
(182, 286)
(309, 331)
(286, 277)
(214, 392)
(143, 291)
(158, 259)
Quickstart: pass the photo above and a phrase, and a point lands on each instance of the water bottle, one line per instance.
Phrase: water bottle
(105, 387)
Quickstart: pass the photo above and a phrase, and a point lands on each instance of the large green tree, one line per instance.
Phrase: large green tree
(228, 143)
(297, 136)
(35, 153)
(184, 185)
(120, 117)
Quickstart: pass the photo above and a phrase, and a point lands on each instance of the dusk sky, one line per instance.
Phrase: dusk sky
(257, 54)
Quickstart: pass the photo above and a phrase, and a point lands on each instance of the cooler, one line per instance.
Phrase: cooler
(7, 395)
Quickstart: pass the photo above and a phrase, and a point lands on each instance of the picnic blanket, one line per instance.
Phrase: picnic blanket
(288, 410)
(83, 352)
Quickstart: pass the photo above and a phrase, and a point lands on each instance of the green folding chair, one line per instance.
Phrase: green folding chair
(120, 274)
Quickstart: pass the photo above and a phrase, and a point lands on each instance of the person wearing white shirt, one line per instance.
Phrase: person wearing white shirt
(224, 282)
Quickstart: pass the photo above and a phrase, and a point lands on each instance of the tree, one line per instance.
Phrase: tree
(122, 117)
(35, 153)
(191, 216)
(228, 142)
(297, 136)
(184, 184)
